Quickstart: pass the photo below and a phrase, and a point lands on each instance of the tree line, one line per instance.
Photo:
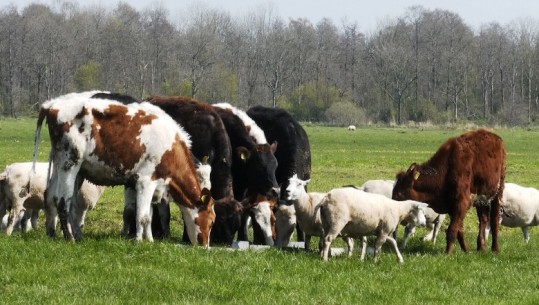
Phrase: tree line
(424, 66)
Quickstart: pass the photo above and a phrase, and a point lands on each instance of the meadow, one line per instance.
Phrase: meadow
(107, 269)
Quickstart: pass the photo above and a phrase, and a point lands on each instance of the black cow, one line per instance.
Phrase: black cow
(293, 153)
(209, 139)
(253, 164)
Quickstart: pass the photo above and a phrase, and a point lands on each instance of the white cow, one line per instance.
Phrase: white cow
(354, 213)
(434, 220)
(306, 212)
(23, 195)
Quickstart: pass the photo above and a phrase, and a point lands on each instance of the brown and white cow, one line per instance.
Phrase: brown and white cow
(466, 171)
(136, 145)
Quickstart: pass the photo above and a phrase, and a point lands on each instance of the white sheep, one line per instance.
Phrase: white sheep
(352, 127)
(354, 213)
(305, 204)
(520, 206)
(23, 195)
(434, 220)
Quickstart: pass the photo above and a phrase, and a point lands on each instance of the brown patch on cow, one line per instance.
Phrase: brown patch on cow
(117, 145)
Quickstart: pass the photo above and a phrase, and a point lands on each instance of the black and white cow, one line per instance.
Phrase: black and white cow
(253, 165)
(293, 154)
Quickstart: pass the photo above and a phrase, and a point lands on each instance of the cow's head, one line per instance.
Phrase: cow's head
(261, 164)
(404, 184)
(200, 219)
(228, 213)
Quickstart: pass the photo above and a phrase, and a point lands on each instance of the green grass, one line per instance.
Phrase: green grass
(106, 269)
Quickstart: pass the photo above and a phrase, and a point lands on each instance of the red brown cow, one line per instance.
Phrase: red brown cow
(466, 171)
(136, 145)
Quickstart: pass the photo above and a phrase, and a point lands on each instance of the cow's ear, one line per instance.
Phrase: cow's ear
(273, 147)
(205, 197)
(243, 153)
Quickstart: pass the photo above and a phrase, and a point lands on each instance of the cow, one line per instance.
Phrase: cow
(135, 145)
(293, 154)
(466, 171)
(253, 162)
(210, 143)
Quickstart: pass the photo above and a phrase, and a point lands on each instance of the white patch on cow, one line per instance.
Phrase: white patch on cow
(262, 214)
(190, 223)
(254, 131)
(203, 176)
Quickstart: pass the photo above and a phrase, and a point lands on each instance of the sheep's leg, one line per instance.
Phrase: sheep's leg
(33, 218)
(363, 247)
(15, 214)
(525, 233)
(349, 244)
(394, 243)
(431, 227)
(378, 246)
(408, 230)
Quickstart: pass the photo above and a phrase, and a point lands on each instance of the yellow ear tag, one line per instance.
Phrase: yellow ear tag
(203, 198)
(416, 175)
(205, 159)
(243, 156)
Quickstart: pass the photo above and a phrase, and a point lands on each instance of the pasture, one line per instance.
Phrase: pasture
(106, 269)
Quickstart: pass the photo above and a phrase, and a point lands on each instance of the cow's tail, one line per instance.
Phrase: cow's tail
(42, 115)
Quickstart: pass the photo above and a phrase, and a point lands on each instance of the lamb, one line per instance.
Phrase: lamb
(434, 220)
(356, 214)
(306, 214)
(22, 193)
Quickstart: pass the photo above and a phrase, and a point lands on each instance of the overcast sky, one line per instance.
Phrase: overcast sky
(367, 13)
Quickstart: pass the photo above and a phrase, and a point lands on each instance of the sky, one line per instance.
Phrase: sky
(368, 14)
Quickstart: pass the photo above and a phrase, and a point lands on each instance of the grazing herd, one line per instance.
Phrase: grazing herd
(228, 170)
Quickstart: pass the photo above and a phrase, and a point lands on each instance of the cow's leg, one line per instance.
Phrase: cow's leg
(130, 212)
(76, 209)
(455, 229)
(307, 242)
(162, 221)
(243, 232)
(495, 222)
(33, 218)
(300, 236)
(51, 213)
(145, 189)
(483, 218)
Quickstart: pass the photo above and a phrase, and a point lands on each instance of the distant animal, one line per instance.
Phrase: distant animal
(306, 212)
(293, 153)
(253, 164)
(434, 220)
(352, 127)
(466, 171)
(22, 194)
(520, 206)
(211, 145)
(136, 145)
(353, 213)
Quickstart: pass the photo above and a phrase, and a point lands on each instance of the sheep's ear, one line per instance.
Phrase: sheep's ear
(307, 181)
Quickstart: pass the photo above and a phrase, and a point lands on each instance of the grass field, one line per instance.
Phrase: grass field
(106, 269)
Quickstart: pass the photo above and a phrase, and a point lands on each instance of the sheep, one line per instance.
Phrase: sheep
(356, 214)
(23, 195)
(520, 208)
(305, 209)
(352, 128)
(434, 220)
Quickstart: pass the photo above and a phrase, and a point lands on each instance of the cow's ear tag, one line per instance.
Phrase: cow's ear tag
(205, 160)
(243, 156)
(203, 198)
(416, 175)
